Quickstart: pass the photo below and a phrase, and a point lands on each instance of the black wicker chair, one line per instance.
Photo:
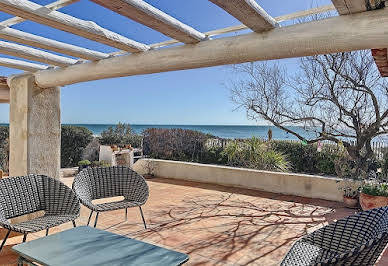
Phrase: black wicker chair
(355, 240)
(28, 194)
(106, 182)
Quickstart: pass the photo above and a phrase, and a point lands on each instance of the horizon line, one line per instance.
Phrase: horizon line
(157, 124)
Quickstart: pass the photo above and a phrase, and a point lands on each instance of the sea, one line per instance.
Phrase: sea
(222, 131)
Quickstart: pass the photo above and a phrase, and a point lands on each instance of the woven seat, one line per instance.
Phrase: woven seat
(28, 194)
(44, 222)
(111, 206)
(106, 182)
(355, 240)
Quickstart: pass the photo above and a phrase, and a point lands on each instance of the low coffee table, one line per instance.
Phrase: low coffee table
(83, 246)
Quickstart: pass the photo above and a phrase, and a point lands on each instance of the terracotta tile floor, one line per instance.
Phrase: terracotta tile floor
(215, 225)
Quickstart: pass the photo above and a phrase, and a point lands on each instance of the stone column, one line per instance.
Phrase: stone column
(35, 128)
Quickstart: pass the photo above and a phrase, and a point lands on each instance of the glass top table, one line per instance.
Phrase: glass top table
(85, 245)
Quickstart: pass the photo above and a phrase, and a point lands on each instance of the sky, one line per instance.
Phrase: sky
(197, 97)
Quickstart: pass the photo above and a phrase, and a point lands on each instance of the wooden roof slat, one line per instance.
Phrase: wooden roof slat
(154, 18)
(22, 65)
(381, 59)
(330, 35)
(35, 54)
(346, 7)
(4, 90)
(88, 29)
(53, 6)
(236, 28)
(249, 13)
(18, 36)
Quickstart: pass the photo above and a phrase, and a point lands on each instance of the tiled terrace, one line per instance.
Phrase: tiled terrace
(215, 225)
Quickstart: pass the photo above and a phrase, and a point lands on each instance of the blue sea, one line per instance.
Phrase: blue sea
(221, 131)
(215, 130)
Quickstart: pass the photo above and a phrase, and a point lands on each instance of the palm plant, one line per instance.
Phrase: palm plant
(255, 153)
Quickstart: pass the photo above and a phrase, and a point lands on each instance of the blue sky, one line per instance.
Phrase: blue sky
(181, 97)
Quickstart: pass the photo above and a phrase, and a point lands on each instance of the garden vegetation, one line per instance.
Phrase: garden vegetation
(194, 146)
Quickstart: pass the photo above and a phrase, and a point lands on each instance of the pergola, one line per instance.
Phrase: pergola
(34, 95)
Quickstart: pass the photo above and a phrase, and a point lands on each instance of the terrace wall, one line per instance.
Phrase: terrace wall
(285, 183)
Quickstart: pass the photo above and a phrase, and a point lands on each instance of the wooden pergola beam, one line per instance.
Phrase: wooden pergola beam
(88, 29)
(249, 13)
(154, 18)
(381, 59)
(18, 36)
(22, 65)
(295, 15)
(4, 90)
(35, 54)
(53, 6)
(331, 35)
(346, 7)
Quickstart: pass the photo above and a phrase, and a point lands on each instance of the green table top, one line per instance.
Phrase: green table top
(85, 245)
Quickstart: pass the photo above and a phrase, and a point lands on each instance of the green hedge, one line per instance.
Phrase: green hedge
(384, 163)
(121, 134)
(189, 145)
(306, 158)
(74, 139)
(175, 144)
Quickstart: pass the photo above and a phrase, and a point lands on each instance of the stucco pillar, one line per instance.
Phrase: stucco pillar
(35, 128)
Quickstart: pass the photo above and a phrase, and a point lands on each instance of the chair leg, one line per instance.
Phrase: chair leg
(142, 216)
(74, 225)
(47, 230)
(126, 214)
(95, 221)
(24, 238)
(5, 239)
(90, 217)
(20, 261)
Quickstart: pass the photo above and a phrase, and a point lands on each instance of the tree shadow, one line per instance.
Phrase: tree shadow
(236, 226)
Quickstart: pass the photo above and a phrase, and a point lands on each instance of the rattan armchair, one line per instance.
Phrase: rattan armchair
(355, 240)
(106, 182)
(28, 194)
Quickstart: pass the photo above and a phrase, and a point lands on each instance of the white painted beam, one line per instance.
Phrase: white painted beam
(53, 6)
(154, 18)
(336, 34)
(212, 33)
(249, 13)
(22, 65)
(346, 7)
(35, 54)
(295, 15)
(18, 36)
(88, 29)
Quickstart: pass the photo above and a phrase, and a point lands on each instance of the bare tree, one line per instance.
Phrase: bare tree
(338, 97)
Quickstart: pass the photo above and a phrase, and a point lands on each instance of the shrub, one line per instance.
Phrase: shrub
(92, 150)
(306, 158)
(256, 154)
(84, 163)
(174, 144)
(121, 134)
(375, 189)
(384, 163)
(214, 155)
(4, 148)
(74, 139)
(100, 164)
